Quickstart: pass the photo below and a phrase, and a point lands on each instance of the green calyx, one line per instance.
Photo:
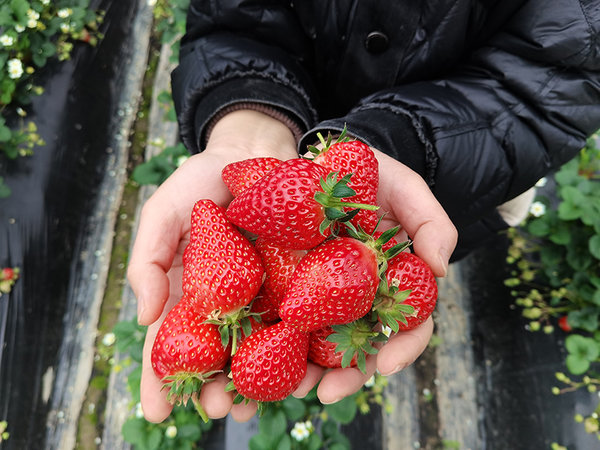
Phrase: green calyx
(326, 143)
(333, 191)
(356, 339)
(231, 324)
(389, 306)
(377, 244)
(186, 386)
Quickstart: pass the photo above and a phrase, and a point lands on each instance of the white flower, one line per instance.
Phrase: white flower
(32, 23)
(31, 14)
(109, 339)
(139, 412)
(541, 182)
(65, 27)
(64, 13)
(387, 331)
(537, 209)
(45, 2)
(370, 382)
(7, 40)
(15, 68)
(171, 431)
(181, 160)
(19, 28)
(302, 430)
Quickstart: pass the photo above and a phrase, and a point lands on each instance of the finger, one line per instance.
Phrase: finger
(418, 211)
(312, 377)
(339, 383)
(153, 398)
(156, 243)
(215, 400)
(403, 348)
(243, 412)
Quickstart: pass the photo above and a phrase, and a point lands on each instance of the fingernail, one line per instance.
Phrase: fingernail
(444, 257)
(141, 308)
(331, 402)
(396, 369)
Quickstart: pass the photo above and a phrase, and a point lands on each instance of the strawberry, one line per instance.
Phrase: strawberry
(279, 264)
(563, 323)
(222, 272)
(353, 157)
(409, 294)
(294, 204)
(270, 363)
(334, 283)
(240, 175)
(8, 277)
(186, 353)
(8, 273)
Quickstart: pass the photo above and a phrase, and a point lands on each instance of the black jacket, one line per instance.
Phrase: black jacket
(481, 97)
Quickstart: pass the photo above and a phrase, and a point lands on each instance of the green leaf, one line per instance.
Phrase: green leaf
(568, 211)
(155, 437)
(539, 227)
(594, 246)
(577, 365)
(5, 133)
(4, 189)
(582, 346)
(272, 428)
(343, 411)
(294, 408)
(134, 431)
(189, 431)
(585, 318)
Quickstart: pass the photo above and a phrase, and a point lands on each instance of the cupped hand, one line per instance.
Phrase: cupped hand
(155, 268)
(406, 200)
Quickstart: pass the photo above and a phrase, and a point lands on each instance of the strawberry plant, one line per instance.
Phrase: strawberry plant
(33, 32)
(555, 260)
(299, 423)
(8, 277)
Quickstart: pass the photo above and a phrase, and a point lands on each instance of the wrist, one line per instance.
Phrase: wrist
(244, 134)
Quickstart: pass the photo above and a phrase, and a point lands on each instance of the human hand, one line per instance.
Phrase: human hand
(155, 269)
(407, 201)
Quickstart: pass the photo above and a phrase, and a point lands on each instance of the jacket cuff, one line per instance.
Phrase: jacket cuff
(388, 132)
(283, 101)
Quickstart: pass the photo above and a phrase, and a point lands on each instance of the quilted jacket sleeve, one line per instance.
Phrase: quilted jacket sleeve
(232, 53)
(519, 106)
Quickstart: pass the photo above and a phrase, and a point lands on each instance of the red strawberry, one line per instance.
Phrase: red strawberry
(564, 324)
(240, 175)
(279, 264)
(186, 353)
(356, 158)
(8, 273)
(222, 272)
(293, 205)
(334, 283)
(270, 363)
(410, 294)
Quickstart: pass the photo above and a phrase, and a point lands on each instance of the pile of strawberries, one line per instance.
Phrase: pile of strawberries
(294, 270)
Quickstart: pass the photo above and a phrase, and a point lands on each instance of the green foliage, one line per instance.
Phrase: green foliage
(293, 423)
(158, 168)
(170, 19)
(555, 278)
(32, 32)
